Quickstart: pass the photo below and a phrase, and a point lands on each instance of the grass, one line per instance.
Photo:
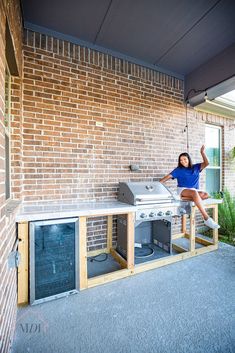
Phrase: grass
(227, 217)
(222, 237)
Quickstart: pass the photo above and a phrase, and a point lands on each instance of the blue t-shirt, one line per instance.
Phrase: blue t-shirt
(187, 177)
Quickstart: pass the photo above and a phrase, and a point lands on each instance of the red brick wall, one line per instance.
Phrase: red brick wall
(59, 150)
(65, 155)
(68, 90)
(16, 138)
(9, 10)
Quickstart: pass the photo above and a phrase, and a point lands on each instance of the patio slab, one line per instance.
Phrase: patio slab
(182, 308)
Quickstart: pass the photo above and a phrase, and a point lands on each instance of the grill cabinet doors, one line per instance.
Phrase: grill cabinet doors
(53, 259)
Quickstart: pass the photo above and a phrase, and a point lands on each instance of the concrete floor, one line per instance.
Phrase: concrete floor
(185, 307)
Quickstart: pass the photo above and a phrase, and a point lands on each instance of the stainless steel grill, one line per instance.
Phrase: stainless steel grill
(154, 200)
(155, 207)
(142, 193)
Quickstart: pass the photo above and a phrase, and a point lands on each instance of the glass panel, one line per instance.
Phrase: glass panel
(213, 145)
(212, 180)
(54, 259)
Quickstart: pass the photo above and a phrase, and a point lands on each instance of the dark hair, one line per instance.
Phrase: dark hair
(185, 154)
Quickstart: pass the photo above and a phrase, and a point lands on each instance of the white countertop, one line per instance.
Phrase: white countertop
(31, 211)
(42, 210)
(209, 201)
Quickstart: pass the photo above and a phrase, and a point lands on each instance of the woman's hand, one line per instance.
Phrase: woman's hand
(203, 149)
(204, 157)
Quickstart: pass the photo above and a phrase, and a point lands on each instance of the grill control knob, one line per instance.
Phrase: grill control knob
(143, 215)
(169, 213)
(160, 213)
(182, 211)
(152, 214)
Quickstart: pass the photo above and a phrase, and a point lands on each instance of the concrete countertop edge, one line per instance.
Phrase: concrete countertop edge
(97, 208)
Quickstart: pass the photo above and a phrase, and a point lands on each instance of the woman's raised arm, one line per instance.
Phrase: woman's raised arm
(204, 157)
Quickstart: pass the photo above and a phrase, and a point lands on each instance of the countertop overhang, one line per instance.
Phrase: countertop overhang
(41, 210)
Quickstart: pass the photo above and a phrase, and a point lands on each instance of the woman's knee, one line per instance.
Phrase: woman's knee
(206, 196)
(189, 193)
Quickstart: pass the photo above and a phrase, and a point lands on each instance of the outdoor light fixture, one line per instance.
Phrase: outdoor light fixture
(134, 168)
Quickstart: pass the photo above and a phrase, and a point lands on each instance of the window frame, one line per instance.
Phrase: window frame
(220, 148)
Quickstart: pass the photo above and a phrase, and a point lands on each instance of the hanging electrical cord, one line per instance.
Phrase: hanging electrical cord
(186, 126)
(140, 253)
(94, 258)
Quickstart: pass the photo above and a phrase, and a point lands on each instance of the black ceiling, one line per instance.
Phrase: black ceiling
(176, 35)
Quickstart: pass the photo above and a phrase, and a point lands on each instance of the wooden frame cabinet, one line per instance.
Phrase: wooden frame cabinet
(128, 266)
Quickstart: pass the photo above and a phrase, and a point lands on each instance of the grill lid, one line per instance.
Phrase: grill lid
(144, 192)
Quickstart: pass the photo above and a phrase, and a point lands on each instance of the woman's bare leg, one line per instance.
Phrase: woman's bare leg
(203, 195)
(194, 195)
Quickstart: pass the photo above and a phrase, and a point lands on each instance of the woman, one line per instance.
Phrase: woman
(187, 175)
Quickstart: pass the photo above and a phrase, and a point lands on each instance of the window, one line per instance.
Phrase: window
(213, 151)
(7, 131)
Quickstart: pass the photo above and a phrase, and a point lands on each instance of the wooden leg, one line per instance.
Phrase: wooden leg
(215, 231)
(184, 220)
(130, 240)
(82, 253)
(23, 268)
(192, 229)
(109, 233)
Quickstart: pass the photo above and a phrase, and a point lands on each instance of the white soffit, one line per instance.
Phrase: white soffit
(228, 99)
(216, 107)
(220, 104)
